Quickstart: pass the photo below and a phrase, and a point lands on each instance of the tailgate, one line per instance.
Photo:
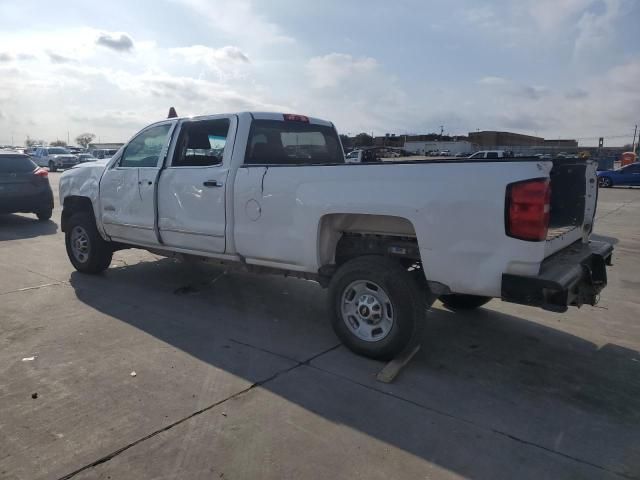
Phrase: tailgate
(574, 193)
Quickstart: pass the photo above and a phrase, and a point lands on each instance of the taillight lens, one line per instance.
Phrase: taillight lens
(41, 172)
(528, 209)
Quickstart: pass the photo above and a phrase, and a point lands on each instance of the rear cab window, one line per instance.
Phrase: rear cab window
(275, 142)
(16, 164)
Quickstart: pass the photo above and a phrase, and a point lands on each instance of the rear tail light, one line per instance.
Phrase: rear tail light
(292, 117)
(41, 172)
(527, 209)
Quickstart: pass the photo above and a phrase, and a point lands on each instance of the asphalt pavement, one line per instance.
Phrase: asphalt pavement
(158, 369)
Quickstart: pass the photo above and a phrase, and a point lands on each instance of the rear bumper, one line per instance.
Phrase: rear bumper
(27, 203)
(572, 277)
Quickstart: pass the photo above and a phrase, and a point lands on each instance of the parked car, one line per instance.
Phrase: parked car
(103, 153)
(354, 156)
(24, 187)
(367, 155)
(54, 158)
(385, 238)
(462, 155)
(628, 175)
(489, 154)
(86, 157)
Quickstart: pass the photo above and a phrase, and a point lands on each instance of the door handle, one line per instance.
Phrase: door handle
(212, 183)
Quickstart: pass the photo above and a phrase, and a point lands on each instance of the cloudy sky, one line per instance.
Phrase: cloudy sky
(555, 68)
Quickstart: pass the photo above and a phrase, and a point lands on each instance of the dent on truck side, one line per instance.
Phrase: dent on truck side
(82, 183)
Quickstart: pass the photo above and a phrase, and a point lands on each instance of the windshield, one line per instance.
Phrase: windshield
(57, 151)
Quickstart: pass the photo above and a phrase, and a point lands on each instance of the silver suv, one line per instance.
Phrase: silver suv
(54, 158)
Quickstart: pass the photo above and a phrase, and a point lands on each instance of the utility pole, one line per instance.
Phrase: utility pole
(441, 131)
(633, 145)
(67, 137)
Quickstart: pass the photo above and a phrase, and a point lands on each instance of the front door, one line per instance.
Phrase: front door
(127, 193)
(191, 195)
(630, 175)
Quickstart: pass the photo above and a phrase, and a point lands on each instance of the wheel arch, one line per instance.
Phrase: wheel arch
(74, 204)
(334, 227)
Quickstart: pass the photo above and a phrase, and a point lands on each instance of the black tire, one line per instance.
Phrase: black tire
(408, 305)
(44, 215)
(458, 301)
(97, 257)
(52, 167)
(605, 182)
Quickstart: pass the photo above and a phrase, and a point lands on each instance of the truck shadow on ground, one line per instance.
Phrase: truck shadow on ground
(497, 374)
(16, 227)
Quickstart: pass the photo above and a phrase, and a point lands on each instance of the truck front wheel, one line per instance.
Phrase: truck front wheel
(376, 306)
(458, 301)
(86, 249)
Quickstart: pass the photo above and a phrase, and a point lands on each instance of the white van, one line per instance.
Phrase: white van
(491, 154)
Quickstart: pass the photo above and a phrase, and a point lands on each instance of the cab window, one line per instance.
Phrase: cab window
(201, 143)
(144, 150)
(274, 142)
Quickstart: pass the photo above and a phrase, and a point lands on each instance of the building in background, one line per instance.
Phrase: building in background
(518, 143)
(492, 140)
(566, 144)
(423, 147)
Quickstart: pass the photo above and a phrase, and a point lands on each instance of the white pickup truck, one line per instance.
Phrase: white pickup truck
(272, 193)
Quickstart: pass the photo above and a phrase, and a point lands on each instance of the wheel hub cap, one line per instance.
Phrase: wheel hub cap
(80, 244)
(367, 311)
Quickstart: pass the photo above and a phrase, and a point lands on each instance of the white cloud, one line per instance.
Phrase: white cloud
(493, 81)
(227, 62)
(238, 19)
(333, 69)
(482, 16)
(210, 56)
(552, 14)
(596, 32)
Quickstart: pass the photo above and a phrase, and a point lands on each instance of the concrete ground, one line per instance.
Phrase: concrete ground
(240, 376)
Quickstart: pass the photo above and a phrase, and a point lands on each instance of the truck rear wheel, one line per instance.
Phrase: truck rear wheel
(87, 250)
(376, 306)
(458, 301)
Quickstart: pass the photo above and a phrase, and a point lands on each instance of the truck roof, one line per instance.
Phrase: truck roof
(265, 116)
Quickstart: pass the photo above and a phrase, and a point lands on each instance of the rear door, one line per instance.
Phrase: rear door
(127, 188)
(282, 154)
(191, 189)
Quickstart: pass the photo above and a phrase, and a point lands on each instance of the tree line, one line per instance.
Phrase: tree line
(83, 140)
